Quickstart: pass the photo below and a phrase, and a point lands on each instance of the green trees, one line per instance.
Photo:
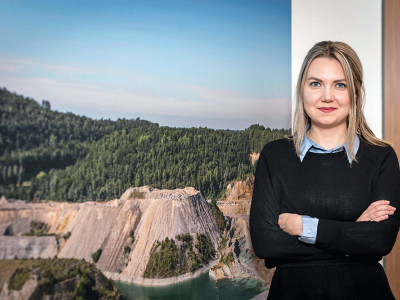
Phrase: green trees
(205, 248)
(46, 154)
(132, 236)
(218, 217)
(163, 260)
(127, 249)
(96, 255)
(38, 228)
(34, 138)
(84, 288)
(162, 157)
(167, 259)
(92, 283)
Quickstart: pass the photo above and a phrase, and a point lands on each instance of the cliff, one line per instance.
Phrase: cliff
(239, 190)
(237, 199)
(147, 214)
(237, 257)
(123, 232)
(244, 263)
(28, 247)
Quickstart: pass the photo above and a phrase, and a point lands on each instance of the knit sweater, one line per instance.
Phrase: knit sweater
(326, 187)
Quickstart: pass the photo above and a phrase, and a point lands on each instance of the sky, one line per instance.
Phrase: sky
(216, 64)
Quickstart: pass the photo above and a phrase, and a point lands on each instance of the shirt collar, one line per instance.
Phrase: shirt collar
(308, 143)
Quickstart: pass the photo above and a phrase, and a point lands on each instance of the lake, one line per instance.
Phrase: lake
(203, 287)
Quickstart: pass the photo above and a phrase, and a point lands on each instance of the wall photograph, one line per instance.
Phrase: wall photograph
(129, 133)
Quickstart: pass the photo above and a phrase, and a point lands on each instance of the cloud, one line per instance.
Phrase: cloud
(230, 103)
(10, 63)
(108, 99)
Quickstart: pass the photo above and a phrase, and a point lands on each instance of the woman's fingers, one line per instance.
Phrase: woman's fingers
(379, 205)
(374, 207)
(381, 213)
(380, 218)
(377, 211)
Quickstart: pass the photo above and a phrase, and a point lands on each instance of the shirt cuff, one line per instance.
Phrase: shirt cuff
(310, 226)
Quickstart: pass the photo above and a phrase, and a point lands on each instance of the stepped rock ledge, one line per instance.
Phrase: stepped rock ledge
(151, 214)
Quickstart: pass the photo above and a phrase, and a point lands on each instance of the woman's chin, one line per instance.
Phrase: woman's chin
(326, 123)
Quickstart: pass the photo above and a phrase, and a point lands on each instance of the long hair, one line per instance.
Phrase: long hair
(353, 72)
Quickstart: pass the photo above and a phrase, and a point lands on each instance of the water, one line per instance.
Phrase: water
(202, 287)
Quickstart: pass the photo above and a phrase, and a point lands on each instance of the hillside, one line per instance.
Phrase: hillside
(46, 154)
(148, 236)
(54, 279)
(163, 157)
(35, 138)
(123, 232)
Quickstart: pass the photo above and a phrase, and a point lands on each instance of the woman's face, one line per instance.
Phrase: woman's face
(325, 96)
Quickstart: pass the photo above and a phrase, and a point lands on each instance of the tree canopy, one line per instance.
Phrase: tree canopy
(61, 156)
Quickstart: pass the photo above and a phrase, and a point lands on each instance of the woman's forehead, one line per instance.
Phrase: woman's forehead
(325, 69)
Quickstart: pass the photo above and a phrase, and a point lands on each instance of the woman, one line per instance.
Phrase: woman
(324, 202)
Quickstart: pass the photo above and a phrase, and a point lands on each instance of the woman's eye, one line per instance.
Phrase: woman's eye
(315, 84)
(341, 85)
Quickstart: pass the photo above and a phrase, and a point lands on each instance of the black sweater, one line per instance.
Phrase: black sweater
(326, 187)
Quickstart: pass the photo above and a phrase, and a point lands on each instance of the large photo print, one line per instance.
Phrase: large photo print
(129, 136)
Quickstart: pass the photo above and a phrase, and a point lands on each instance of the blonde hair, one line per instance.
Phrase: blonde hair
(353, 72)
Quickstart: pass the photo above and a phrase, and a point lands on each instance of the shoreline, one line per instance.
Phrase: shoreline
(159, 282)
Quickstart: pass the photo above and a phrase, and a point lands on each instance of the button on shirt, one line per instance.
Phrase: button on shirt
(310, 225)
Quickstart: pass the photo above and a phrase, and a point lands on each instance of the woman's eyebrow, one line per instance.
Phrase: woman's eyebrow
(317, 79)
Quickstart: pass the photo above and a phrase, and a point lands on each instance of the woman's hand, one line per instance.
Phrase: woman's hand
(377, 211)
(291, 223)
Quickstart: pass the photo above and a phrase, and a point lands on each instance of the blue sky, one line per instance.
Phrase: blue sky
(217, 64)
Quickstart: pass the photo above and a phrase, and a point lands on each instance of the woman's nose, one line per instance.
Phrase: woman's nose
(327, 95)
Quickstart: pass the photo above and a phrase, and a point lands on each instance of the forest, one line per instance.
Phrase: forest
(46, 154)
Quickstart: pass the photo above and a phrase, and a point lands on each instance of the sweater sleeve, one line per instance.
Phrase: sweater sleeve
(269, 241)
(367, 238)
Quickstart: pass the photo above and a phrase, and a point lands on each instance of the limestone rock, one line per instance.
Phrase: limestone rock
(237, 199)
(55, 214)
(28, 247)
(89, 228)
(254, 156)
(235, 208)
(3, 200)
(24, 294)
(150, 214)
(246, 263)
(161, 214)
(262, 296)
(239, 190)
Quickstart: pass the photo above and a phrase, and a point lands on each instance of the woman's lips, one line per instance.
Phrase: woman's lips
(327, 109)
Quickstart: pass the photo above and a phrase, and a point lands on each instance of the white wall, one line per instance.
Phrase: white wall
(355, 22)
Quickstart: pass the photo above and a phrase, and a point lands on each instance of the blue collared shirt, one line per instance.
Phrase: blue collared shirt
(310, 225)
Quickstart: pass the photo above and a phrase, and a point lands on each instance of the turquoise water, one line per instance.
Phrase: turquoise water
(202, 287)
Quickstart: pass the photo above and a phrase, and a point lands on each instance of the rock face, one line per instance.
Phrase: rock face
(147, 215)
(238, 198)
(150, 215)
(235, 208)
(24, 294)
(240, 190)
(160, 214)
(246, 264)
(254, 157)
(16, 216)
(28, 247)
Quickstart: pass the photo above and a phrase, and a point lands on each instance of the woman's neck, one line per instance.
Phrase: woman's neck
(328, 137)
